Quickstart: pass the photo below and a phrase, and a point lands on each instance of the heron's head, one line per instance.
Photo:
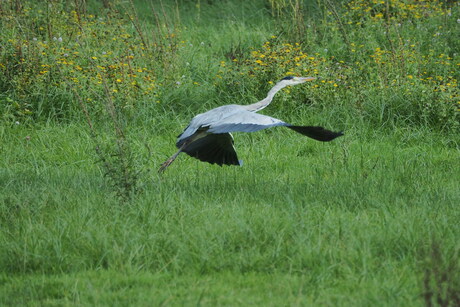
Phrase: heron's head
(296, 80)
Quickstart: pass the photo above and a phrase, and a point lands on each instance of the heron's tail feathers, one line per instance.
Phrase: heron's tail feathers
(316, 132)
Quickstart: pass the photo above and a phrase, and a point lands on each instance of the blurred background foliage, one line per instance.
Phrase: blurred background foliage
(384, 61)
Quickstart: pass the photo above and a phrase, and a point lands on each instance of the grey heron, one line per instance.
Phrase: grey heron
(208, 136)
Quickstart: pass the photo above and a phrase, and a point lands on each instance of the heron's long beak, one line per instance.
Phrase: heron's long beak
(305, 79)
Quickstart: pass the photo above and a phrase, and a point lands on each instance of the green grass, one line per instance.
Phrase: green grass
(109, 288)
(348, 223)
(368, 219)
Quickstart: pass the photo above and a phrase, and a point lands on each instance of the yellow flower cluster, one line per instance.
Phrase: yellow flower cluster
(425, 68)
(78, 50)
(285, 56)
(400, 9)
(276, 60)
(401, 66)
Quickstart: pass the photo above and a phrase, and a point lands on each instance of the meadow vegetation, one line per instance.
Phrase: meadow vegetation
(93, 94)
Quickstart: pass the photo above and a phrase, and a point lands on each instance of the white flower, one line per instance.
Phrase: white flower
(17, 123)
(59, 39)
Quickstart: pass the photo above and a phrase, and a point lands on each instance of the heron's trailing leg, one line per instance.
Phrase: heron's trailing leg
(171, 160)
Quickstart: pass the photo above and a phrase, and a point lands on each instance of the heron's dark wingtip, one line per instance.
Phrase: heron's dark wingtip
(317, 133)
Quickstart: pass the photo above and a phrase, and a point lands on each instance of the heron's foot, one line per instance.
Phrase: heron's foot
(165, 165)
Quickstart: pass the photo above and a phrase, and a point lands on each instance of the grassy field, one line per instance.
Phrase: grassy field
(368, 219)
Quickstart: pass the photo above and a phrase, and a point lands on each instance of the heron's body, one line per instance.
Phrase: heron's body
(208, 137)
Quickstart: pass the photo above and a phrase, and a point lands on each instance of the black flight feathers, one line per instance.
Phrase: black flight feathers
(316, 132)
(214, 148)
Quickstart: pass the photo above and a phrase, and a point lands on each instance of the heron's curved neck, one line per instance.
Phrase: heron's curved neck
(266, 101)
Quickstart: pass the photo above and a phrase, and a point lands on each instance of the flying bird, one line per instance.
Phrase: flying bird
(208, 136)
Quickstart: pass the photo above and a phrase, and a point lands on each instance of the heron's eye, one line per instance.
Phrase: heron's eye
(288, 78)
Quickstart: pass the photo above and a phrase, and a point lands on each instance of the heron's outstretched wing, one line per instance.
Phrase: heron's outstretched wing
(225, 119)
(214, 148)
(246, 121)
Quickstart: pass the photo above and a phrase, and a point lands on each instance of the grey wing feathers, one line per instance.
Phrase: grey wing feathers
(231, 118)
(244, 121)
(214, 148)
